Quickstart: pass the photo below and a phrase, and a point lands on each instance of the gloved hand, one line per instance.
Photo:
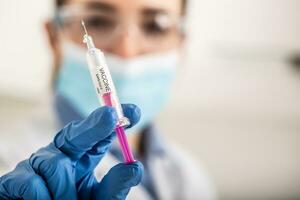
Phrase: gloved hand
(64, 168)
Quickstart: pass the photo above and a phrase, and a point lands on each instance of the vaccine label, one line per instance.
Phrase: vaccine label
(103, 82)
(99, 72)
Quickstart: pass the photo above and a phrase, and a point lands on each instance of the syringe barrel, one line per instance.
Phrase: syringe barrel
(103, 84)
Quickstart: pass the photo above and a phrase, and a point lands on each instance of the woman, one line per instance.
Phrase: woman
(142, 41)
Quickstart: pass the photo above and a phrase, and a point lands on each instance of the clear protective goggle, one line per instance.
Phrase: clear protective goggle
(151, 30)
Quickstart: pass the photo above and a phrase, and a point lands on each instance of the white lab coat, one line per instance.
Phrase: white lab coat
(175, 175)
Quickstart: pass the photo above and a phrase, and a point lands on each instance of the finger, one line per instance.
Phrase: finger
(79, 137)
(92, 157)
(132, 112)
(117, 182)
(23, 183)
(57, 171)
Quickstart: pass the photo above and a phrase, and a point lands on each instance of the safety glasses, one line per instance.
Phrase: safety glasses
(151, 30)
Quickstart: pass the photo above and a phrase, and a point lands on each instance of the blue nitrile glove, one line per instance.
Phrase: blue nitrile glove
(64, 168)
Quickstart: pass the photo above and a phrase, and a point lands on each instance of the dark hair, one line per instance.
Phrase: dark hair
(60, 3)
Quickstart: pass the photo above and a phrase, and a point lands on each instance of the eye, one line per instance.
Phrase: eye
(100, 23)
(153, 28)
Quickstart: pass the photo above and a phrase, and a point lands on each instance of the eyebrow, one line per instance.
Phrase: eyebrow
(106, 7)
(93, 5)
(154, 11)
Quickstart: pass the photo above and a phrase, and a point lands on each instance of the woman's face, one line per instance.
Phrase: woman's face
(126, 28)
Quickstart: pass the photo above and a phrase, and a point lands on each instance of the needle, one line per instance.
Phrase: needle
(83, 25)
(86, 38)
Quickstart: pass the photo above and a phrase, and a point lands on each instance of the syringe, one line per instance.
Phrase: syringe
(106, 91)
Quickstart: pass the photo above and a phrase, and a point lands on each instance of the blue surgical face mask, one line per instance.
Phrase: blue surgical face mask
(144, 81)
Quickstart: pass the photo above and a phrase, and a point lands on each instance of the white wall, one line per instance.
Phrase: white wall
(25, 62)
(236, 105)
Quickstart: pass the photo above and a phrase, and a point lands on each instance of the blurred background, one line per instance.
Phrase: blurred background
(235, 104)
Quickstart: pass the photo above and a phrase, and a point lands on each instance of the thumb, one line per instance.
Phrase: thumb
(118, 181)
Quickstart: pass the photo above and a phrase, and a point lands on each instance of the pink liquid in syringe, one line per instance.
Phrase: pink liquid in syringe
(126, 151)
